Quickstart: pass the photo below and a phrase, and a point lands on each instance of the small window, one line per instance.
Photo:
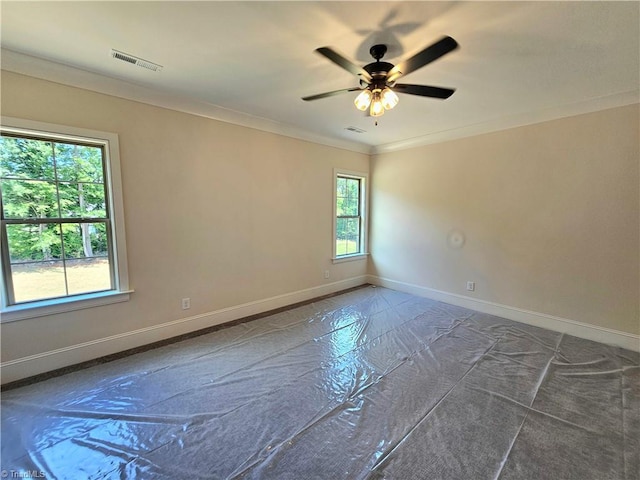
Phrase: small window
(58, 216)
(350, 214)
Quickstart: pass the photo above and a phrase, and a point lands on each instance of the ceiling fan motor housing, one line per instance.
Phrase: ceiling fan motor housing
(378, 70)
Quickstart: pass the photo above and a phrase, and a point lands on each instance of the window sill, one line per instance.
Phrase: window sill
(350, 258)
(62, 305)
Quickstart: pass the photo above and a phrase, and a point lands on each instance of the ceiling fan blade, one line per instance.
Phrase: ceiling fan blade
(428, 55)
(423, 90)
(330, 94)
(341, 61)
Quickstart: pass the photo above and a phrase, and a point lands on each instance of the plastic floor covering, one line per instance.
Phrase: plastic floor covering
(373, 384)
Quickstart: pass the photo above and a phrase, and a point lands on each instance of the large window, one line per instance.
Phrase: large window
(61, 223)
(350, 214)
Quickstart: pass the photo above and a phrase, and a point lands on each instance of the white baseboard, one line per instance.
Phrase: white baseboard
(24, 367)
(550, 322)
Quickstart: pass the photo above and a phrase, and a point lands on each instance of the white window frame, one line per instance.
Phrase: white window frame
(121, 291)
(364, 214)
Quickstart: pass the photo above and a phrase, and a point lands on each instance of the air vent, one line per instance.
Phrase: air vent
(125, 57)
(355, 129)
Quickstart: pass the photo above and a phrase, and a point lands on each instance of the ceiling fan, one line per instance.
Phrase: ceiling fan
(378, 79)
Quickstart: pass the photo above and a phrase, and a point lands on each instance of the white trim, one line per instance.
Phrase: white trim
(63, 305)
(113, 184)
(364, 207)
(596, 333)
(350, 258)
(56, 72)
(46, 361)
(64, 74)
(621, 99)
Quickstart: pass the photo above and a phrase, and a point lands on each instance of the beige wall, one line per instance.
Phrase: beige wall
(227, 215)
(219, 213)
(550, 213)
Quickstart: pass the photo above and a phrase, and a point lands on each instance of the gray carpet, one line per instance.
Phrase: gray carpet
(370, 384)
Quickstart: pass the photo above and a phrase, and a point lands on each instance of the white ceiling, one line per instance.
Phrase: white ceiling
(251, 62)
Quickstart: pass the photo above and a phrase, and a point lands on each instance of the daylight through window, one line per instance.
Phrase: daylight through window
(56, 232)
(350, 216)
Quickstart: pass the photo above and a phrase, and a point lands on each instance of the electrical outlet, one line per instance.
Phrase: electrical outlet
(326, 274)
(186, 303)
(471, 286)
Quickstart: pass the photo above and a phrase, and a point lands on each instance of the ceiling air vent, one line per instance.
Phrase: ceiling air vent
(355, 129)
(125, 57)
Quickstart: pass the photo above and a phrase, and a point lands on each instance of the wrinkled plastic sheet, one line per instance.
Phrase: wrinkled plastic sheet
(373, 383)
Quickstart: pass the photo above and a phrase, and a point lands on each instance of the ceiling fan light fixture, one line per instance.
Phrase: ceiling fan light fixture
(377, 80)
(363, 100)
(377, 108)
(389, 98)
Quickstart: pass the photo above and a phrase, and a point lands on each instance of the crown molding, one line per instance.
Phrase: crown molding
(528, 118)
(59, 73)
(67, 75)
